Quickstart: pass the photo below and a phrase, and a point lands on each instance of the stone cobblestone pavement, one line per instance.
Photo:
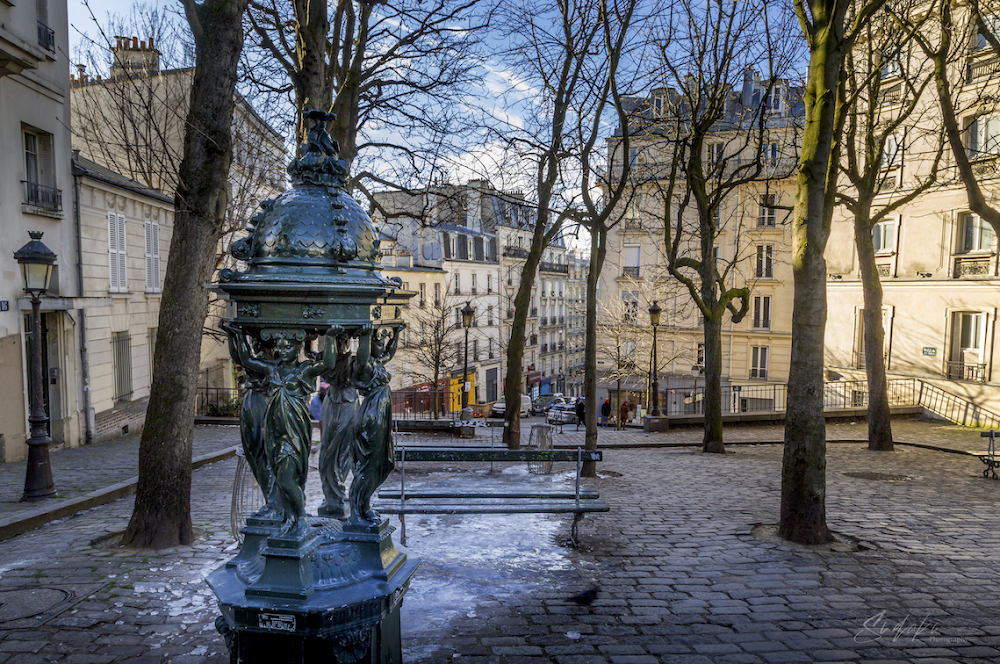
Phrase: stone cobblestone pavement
(684, 575)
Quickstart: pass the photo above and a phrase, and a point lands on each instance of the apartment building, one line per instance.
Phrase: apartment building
(576, 320)
(35, 195)
(752, 248)
(132, 122)
(936, 260)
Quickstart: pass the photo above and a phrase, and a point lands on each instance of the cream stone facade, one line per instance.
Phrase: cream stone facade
(937, 262)
(752, 249)
(125, 231)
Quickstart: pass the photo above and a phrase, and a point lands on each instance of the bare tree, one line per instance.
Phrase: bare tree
(885, 93)
(829, 35)
(571, 55)
(162, 514)
(430, 345)
(706, 140)
(395, 73)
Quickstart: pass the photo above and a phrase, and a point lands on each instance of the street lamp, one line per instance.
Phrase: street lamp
(697, 369)
(36, 261)
(467, 313)
(654, 319)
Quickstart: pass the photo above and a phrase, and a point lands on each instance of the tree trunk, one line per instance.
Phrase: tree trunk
(162, 514)
(879, 424)
(712, 441)
(313, 89)
(598, 250)
(803, 472)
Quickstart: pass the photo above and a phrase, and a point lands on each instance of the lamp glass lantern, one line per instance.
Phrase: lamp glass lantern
(467, 313)
(654, 314)
(36, 261)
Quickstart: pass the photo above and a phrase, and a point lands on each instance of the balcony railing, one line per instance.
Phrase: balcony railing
(545, 348)
(560, 268)
(964, 371)
(515, 252)
(46, 37)
(973, 267)
(982, 68)
(545, 321)
(860, 362)
(534, 340)
(48, 198)
(631, 272)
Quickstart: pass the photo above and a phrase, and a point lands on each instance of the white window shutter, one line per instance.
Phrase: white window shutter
(113, 250)
(148, 228)
(156, 255)
(122, 267)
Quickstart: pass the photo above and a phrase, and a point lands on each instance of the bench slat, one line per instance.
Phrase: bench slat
(393, 494)
(414, 507)
(492, 454)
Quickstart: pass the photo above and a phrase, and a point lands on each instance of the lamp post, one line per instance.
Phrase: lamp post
(654, 319)
(697, 369)
(467, 313)
(36, 261)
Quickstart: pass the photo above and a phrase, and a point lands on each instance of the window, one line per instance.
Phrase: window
(762, 312)
(765, 261)
(658, 105)
(884, 236)
(984, 136)
(775, 100)
(758, 362)
(992, 24)
(771, 154)
(890, 152)
(489, 314)
(631, 255)
(473, 283)
(700, 354)
(153, 257)
(766, 216)
(489, 346)
(891, 66)
(423, 295)
(121, 357)
(39, 172)
(151, 344)
(458, 317)
(489, 284)
(475, 349)
(458, 284)
(631, 300)
(716, 154)
(116, 253)
(633, 212)
(968, 346)
(977, 235)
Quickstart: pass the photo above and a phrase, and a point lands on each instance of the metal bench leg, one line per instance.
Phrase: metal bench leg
(575, 531)
(402, 529)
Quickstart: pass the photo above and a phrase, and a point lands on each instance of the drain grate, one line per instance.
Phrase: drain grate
(884, 477)
(24, 607)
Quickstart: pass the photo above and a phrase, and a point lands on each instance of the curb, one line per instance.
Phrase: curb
(22, 523)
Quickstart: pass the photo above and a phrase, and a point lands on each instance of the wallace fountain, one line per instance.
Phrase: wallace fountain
(323, 587)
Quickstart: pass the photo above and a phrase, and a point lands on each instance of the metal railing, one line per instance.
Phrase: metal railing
(631, 272)
(515, 252)
(218, 401)
(965, 371)
(121, 351)
(48, 198)
(418, 405)
(560, 268)
(955, 408)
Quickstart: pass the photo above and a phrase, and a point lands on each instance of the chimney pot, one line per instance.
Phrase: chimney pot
(135, 43)
(150, 43)
(142, 45)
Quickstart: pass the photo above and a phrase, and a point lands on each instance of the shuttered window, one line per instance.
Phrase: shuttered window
(116, 253)
(152, 257)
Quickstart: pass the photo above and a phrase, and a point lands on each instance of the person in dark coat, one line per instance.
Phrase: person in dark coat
(623, 413)
(581, 412)
(605, 412)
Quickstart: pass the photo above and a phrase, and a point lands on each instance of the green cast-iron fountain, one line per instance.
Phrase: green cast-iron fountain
(325, 587)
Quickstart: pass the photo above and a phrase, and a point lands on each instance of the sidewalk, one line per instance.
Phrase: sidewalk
(685, 571)
(93, 475)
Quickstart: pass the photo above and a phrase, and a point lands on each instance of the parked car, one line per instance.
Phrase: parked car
(543, 403)
(562, 413)
(500, 407)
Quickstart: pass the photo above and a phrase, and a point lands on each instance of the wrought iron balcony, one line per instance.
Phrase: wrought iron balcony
(47, 198)
(560, 268)
(632, 271)
(973, 267)
(515, 252)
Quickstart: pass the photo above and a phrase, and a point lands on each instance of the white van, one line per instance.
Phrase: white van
(500, 407)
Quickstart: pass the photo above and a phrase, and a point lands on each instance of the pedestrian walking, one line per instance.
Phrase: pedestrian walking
(623, 414)
(605, 412)
(581, 413)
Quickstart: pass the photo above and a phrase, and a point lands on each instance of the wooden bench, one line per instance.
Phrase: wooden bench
(989, 457)
(402, 502)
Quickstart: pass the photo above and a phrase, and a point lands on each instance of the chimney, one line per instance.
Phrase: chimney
(135, 43)
(150, 43)
(142, 45)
